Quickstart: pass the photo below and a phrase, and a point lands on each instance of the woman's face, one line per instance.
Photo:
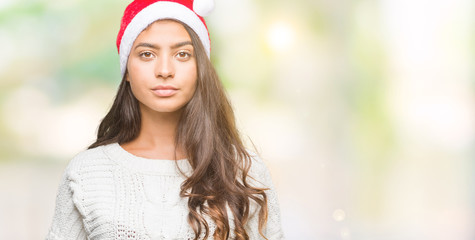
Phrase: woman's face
(162, 67)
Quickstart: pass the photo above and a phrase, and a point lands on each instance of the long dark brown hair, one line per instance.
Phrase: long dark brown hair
(208, 134)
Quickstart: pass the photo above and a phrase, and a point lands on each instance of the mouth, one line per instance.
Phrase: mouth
(164, 90)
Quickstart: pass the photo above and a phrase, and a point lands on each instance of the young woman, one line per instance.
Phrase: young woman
(168, 162)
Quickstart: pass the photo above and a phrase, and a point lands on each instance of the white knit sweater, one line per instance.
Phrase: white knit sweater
(109, 193)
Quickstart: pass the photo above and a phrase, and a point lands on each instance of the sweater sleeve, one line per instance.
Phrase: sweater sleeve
(262, 176)
(67, 220)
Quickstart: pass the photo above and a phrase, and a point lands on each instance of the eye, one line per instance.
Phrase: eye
(183, 55)
(146, 55)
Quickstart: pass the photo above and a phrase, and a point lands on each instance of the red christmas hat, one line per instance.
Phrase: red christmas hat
(141, 13)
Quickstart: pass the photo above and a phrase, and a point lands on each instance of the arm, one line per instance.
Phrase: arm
(262, 177)
(67, 220)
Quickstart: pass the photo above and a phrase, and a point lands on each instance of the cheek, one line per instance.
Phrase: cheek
(136, 75)
(187, 75)
(136, 67)
(137, 83)
(133, 71)
(190, 89)
(136, 90)
(192, 80)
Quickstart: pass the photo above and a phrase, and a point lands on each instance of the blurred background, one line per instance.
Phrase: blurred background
(363, 110)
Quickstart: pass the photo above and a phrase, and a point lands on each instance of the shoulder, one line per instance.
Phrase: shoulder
(259, 172)
(257, 164)
(88, 159)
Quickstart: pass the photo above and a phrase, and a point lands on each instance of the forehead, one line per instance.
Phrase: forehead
(164, 31)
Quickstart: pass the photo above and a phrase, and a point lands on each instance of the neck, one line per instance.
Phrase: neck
(158, 128)
(156, 138)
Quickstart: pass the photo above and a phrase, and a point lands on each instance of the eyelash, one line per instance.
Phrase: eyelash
(187, 54)
(142, 54)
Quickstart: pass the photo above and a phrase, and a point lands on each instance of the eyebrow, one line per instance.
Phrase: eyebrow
(176, 45)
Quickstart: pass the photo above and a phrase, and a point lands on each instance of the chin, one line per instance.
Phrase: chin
(172, 110)
(166, 109)
(167, 106)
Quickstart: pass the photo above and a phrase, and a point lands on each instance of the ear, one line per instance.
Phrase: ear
(127, 76)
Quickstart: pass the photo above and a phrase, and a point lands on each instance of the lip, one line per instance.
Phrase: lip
(164, 90)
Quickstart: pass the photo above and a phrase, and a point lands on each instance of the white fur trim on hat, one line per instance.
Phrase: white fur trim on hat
(154, 12)
(203, 7)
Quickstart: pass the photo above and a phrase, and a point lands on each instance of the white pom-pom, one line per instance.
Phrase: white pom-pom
(203, 7)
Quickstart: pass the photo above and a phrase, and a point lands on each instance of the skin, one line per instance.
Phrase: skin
(161, 55)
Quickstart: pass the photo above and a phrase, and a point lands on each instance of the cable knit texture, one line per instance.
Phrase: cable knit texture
(108, 193)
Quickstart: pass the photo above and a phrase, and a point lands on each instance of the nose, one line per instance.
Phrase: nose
(164, 67)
